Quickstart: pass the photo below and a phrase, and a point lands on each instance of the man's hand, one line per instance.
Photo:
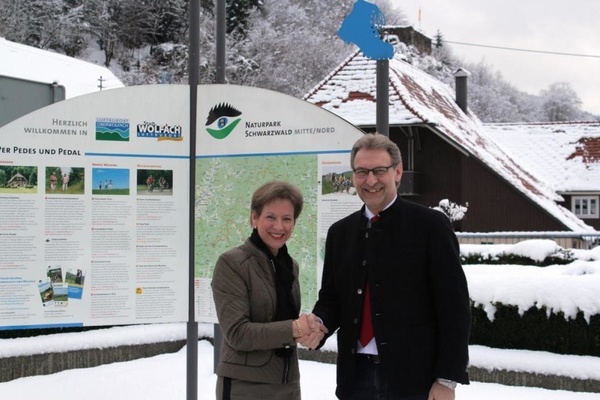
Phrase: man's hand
(440, 392)
(309, 331)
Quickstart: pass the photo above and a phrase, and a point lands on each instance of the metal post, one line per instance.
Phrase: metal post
(192, 325)
(383, 107)
(220, 78)
(221, 26)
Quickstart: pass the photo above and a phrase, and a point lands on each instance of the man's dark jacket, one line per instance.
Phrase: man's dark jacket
(419, 297)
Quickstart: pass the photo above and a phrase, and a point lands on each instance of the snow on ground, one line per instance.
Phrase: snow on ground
(565, 288)
(164, 377)
(573, 366)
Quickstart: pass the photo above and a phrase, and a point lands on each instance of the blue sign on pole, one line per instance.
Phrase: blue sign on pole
(361, 28)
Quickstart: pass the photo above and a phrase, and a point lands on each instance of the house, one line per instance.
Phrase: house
(33, 64)
(31, 78)
(17, 180)
(566, 156)
(447, 151)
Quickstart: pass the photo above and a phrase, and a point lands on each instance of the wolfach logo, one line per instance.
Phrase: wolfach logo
(222, 120)
(160, 132)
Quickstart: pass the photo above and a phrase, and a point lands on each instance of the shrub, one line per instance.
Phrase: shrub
(536, 329)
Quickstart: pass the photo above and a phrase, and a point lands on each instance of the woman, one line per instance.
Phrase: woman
(257, 297)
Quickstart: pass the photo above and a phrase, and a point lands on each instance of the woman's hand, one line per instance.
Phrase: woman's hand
(309, 330)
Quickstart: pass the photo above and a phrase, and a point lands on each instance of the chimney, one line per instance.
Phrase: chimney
(461, 76)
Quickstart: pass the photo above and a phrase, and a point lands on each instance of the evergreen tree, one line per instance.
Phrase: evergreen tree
(73, 35)
(13, 20)
(438, 40)
(238, 16)
(167, 21)
(441, 52)
(43, 23)
(132, 23)
(103, 18)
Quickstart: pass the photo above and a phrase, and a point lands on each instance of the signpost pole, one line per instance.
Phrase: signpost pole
(192, 325)
(220, 78)
(383, 107)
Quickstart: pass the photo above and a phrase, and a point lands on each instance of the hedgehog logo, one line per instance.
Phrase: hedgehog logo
(222, 120)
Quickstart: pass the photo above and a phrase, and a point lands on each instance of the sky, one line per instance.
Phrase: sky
(562, 288)
(543, 25)
(119, 177)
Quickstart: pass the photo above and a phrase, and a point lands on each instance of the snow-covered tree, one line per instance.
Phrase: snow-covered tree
(13, 20)
(283, 45)
(455, 212)
(560, 102)
(292, 44)
(238, 16)
(102, 17)
(42, 21)
(46, 24)
(438, 40)
(73, 35)
(287, 48)
(133, 23)
(167, 21)
(493, 99)
(440, 51)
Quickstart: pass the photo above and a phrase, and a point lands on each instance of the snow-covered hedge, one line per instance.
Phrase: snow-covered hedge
(519, 305)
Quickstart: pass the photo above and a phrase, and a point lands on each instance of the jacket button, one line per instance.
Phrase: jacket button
(364, 263)
(359, 291)
(355, 321)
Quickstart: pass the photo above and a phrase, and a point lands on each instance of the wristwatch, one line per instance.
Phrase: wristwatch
(447, 382)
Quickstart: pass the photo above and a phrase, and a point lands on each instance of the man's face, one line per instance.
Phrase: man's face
(376, 191)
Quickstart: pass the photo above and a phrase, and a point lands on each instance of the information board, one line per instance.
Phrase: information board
(94, 198)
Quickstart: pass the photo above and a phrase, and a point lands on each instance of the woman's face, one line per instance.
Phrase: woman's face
(275, 223)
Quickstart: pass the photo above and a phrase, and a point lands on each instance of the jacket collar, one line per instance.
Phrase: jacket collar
(392, 208)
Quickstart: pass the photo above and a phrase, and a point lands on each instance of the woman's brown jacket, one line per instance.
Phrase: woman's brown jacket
(243, 288)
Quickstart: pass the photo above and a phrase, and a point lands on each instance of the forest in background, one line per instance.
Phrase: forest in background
(283, 45)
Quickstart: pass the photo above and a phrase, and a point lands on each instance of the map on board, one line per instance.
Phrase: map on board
(224, 187)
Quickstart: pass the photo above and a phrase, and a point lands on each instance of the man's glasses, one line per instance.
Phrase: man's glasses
(378, 172)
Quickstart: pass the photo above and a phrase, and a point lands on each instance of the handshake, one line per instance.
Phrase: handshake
(308, 330)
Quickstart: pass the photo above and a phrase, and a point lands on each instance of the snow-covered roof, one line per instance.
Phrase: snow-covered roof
(564, 155)
(350, 92)
(33, 64)
(418, 98)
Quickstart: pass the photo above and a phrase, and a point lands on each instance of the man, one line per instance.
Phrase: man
(53, 180)
(406, 265)
(65, 182)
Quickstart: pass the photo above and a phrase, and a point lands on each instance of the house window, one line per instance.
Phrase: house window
(586, 206)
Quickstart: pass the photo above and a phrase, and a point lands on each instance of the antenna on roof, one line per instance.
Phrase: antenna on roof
(101, 80)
